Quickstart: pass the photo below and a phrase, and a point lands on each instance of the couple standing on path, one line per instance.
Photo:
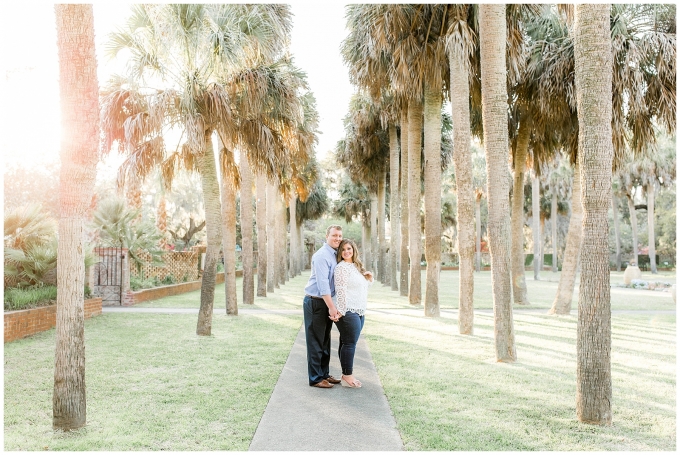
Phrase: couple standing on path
(336, 292)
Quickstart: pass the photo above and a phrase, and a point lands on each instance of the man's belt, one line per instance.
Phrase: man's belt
(313, 297)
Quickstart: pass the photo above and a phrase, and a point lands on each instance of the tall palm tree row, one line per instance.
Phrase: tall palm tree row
(643, 44)
(275, 94)
(184, 48)
(78, 88)
(400, 48)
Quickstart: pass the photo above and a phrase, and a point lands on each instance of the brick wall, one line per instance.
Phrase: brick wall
(143, 295)
(23, 323)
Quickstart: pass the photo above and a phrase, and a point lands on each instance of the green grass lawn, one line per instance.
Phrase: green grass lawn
(541, 294)
(447, 392)
(152, 384)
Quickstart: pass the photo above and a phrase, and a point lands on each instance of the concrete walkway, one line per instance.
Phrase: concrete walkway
(299, 417)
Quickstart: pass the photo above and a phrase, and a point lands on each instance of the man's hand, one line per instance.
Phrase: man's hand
(335, 315)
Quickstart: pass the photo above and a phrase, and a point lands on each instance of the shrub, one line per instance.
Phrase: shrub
(169, 279)
(19, 299)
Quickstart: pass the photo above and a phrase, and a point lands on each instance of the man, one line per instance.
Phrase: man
(320, 311)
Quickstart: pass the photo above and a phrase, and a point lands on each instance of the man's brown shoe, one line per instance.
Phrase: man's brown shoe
(332, 380)
(323, 384)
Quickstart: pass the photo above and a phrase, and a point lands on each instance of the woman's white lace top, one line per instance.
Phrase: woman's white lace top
(351, 288)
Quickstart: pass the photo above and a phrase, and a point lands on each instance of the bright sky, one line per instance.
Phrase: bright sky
(29, 87)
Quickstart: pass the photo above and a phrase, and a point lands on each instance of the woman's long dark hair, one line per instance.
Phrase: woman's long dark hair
(355, 254)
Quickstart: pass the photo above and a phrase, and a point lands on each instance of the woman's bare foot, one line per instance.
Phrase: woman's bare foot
(351, 381)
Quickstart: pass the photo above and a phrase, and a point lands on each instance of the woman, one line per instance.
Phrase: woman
(351, 291)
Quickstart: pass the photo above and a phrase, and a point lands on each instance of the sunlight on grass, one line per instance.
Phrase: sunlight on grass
(448, 393)
(152, 384)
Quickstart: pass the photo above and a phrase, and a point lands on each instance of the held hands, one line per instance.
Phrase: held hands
(335, 315)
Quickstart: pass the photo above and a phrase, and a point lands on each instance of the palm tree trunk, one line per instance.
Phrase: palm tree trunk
(462, 163)
(79, 90)
(374, 230)
(433, 199)
(293, 255)
(492, 35)
(382, 266)
(404, 211)
(593, 83)
(247, 230)
(303, 248)
(283, 242)
(553, 229)
(617, 231)
(366, 240)
(271, 237)
(213, 227)
(536, 224)
(394, 206)
(478, 226)
(519, 284)
(572, 250)
(261, 214)
(229, 242)
(633, 227)
(542, 244)
(415, 127)
(650, 189)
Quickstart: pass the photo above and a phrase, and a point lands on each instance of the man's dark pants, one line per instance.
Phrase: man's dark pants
(318, 336)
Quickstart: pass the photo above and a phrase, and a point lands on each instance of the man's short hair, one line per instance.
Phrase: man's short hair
(332, 226)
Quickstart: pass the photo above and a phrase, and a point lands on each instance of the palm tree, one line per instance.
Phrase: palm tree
(643, 45)
(404, 265)
(616, 190)
(195, 66)
(460, 46)
(272, 279)
(559, 189)
(229, 179)
(519, 163)
(315, 205)
(413, 36)
(261, 213)
(79, 92)
(247, 228)
(656, 168)
(492, 36)
(536, 225)
(395, 198)
(592, 45)
(271, 94)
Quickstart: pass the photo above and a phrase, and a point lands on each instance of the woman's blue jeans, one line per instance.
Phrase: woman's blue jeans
(350, 326)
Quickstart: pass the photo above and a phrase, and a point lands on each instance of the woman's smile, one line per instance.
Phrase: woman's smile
(347, 253)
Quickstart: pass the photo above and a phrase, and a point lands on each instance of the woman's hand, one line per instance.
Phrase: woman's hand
(368, 275)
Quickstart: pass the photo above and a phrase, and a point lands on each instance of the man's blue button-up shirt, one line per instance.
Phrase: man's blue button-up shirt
(322, 281)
